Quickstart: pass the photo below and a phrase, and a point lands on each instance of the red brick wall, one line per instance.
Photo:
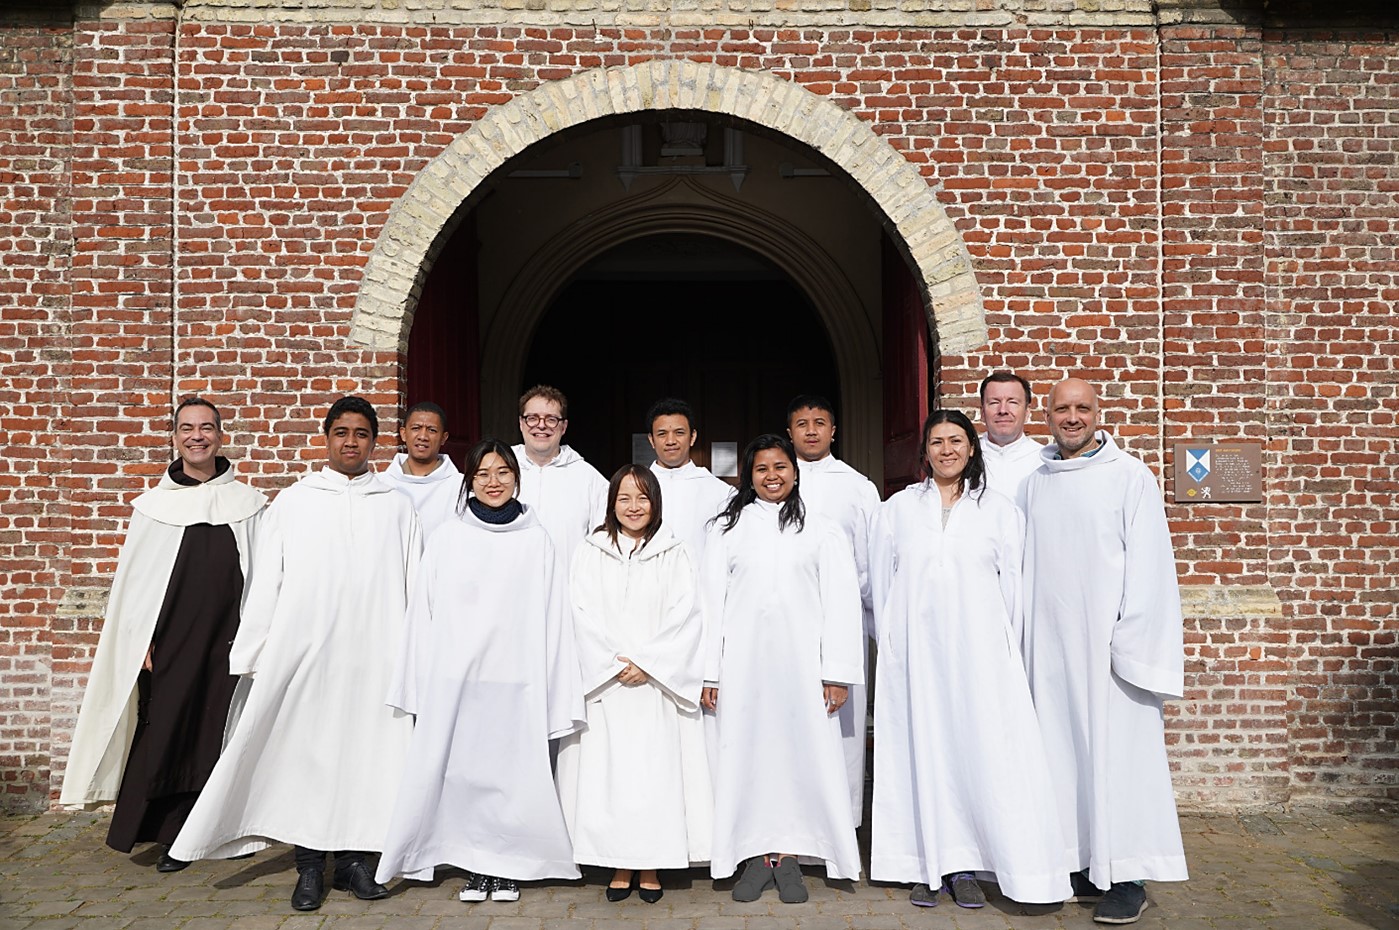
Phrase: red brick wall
(35, 242)
(1202, 218)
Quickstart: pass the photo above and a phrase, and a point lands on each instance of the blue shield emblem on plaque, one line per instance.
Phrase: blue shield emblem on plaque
(1197, 464)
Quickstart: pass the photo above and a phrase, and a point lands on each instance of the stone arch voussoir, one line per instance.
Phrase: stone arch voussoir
(383, 310)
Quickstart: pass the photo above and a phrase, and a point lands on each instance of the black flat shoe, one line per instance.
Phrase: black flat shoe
(618, 894)
(168, 863)
(310, 888)
(358, 879)
(650, 895)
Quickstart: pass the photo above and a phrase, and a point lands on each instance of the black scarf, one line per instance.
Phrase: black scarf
(496, 516)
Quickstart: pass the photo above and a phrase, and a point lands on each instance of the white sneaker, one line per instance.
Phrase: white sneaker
(504, 889)
(477, 887)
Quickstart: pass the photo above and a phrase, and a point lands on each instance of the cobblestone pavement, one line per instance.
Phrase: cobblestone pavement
(1299, 871)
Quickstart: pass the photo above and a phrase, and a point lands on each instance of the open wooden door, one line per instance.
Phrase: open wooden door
(444, 361)
(907, 392)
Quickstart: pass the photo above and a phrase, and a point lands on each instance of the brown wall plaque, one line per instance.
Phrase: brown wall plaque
(1227, 472)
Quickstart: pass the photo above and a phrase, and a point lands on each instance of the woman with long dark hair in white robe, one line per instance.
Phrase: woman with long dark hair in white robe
(781, 602)
(961, 781)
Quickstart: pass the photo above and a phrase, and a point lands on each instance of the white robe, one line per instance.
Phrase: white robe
(690, 498)
(316, 751)
(107, 720)
(635, 783)
(834, 490)
(568, 495)
(1007, 467)
(487, 665)
(418, 487)
(961, 782)
(782, 616)
(1103, 647)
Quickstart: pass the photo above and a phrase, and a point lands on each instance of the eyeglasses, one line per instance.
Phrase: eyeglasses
(536, 419)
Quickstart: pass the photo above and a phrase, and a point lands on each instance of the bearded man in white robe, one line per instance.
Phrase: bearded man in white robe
(316, 753)
(834, 490)
(1103, 650)
(418, 471)
(1010, 456)
(157, 701)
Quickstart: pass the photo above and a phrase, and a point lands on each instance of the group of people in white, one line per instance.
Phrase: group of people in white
(520, 667)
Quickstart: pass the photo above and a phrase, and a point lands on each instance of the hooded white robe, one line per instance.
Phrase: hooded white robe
(690, 497)
(1007, 467)
(1103, 648)
(782, 616)
(316, 751)
(568, 496)
(488, 667)
(635, 783)
(834, 490)
(961, 782)
(107, 720)
(418, 487)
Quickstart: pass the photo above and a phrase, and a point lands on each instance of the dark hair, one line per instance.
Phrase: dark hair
(814, 401)
(474, 456)
(669, 407)
(352, 404)
(1005, 377)
(426, 406)
(548, 392)
(972, 479)
(649, 486)
(196, 402)
(793, 510)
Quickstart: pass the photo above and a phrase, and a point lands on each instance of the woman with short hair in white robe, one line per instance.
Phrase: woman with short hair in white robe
(961, 781)
(781, 602)
(488, 668)
(635, 782)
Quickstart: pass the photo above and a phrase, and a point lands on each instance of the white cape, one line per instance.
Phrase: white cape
(961, 780)
(107, 721)
(568, 496)
(1103, 647)
(488, 667)
(1007, 467)
(782, 616)
(635, 783)
(315, 751)
(418, 487)
(834, 490)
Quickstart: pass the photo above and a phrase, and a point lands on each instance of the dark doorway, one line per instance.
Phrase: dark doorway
(679, 316)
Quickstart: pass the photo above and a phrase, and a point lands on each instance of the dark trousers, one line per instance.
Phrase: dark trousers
(307, 859)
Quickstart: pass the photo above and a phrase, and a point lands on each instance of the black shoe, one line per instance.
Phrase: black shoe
(1123, 904)
(505, 889)
(923, 896)
(1083, 889)
(650, 895)
(310, 888)
(618, 894)
(965, 890)
(787, 875)
(357, 878)
(756, 878)
(169, 863)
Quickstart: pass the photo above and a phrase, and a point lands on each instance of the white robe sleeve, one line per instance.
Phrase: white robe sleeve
(565, 696)
(1148, 640)
(713, 588)
(882, 563)
(842, 625)
(866, 508)
(597, 653)
(1010, 559)
(671, 657)
(260, 595)
(412, 664)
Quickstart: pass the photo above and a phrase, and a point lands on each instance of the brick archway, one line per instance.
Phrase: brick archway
(383, 311)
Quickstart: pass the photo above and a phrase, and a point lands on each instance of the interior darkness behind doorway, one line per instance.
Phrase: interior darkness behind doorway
(736, 350)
